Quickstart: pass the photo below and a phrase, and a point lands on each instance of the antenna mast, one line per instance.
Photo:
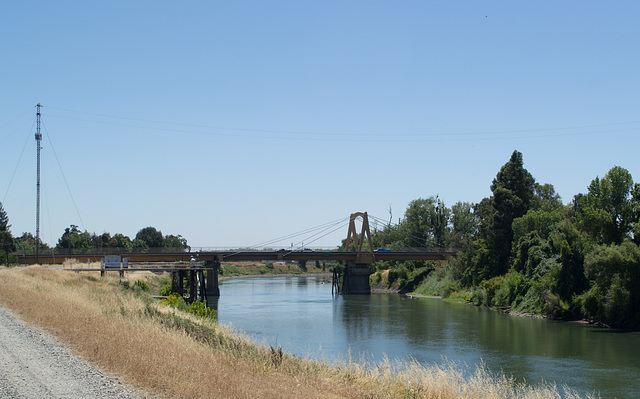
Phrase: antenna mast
(38, 147)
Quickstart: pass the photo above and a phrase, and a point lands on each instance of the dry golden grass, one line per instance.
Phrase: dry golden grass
(171, 354)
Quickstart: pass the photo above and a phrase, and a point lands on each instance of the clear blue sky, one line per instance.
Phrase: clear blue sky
(233, 123)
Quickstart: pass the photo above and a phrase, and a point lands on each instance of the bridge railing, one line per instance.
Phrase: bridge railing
(98, 251)
(61, 252)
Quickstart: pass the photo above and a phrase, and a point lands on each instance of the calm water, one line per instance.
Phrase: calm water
(300, 314)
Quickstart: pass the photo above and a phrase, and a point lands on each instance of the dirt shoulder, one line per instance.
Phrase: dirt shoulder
(34, 365)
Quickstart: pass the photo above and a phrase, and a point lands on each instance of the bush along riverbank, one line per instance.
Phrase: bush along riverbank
(170, 352)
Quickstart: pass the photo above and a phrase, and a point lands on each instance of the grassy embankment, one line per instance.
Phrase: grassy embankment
(121, 328)
(233, 269)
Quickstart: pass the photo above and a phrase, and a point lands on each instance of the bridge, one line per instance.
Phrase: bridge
(356, 256)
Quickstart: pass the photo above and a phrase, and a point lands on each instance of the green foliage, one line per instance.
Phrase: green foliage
(177, 243)
(139, 245)
(122, 241)
(614, 296)
(490, 287)
(571, 245)
(4, 220)
(197, 308)
(200, 309)
(512, 290)
(545, 198)
(165, 287)
(525, 251)
(512, 190)
(151, 237)
(398, 276)
(439, 282)
(7, 245)
(464, 224)
(141, 285)
(530, 251)
(7, 258)
(26, 243)
(609, 211)
(426, 223)
(375, 278)
(175, 301)
(73, 238)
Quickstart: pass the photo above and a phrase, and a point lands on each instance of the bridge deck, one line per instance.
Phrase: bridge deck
(246, 256)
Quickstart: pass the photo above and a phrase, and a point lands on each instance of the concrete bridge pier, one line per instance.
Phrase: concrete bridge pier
(213, 267)
(356, 279)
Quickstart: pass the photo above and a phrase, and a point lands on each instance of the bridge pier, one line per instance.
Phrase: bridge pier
(355, 279)
(213, 267)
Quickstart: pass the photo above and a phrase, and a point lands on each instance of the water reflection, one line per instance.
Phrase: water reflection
(301, 315)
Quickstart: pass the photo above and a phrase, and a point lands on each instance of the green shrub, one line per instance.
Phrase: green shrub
(175, 301)
(479, 296)
(398, 276)
(512, 290)
(141, 285)
(491, 286)
(439, 282)
(375, 278)
(165, 287)
(200, 309)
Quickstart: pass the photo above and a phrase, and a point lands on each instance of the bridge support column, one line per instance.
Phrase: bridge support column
(212, 266)
(356, 279)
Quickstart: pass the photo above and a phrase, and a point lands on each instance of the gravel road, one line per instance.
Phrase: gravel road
(34, 365)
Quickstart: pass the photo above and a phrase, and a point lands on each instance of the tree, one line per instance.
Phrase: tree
(440, 223)
(545, 198)
(178, 242)
(7, 244)
(513, 190)
(417, 222)
(4, 220)
(122, 241)
(103, 240)
(73, 238)
(572, 245)
(614, 296)
(464, 224)
(27, 243)
(426, 223)
(152, 237)
(609, 212)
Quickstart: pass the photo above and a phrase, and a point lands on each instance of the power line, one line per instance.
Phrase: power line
(564, 131)
(64, 178)
(16, 169)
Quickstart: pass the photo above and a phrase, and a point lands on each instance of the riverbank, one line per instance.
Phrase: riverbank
(168, 353)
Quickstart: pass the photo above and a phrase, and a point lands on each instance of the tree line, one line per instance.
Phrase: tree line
(75, 239)
(524, 250)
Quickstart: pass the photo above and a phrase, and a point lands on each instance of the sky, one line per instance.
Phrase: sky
(237, 123)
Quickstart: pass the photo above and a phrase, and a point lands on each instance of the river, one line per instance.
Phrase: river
(300, 314)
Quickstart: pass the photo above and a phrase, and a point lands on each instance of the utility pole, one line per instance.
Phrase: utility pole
(38, 147)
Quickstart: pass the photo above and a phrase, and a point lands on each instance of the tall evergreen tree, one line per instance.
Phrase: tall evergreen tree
(4, 220)
(7, 243)
(513, 190)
